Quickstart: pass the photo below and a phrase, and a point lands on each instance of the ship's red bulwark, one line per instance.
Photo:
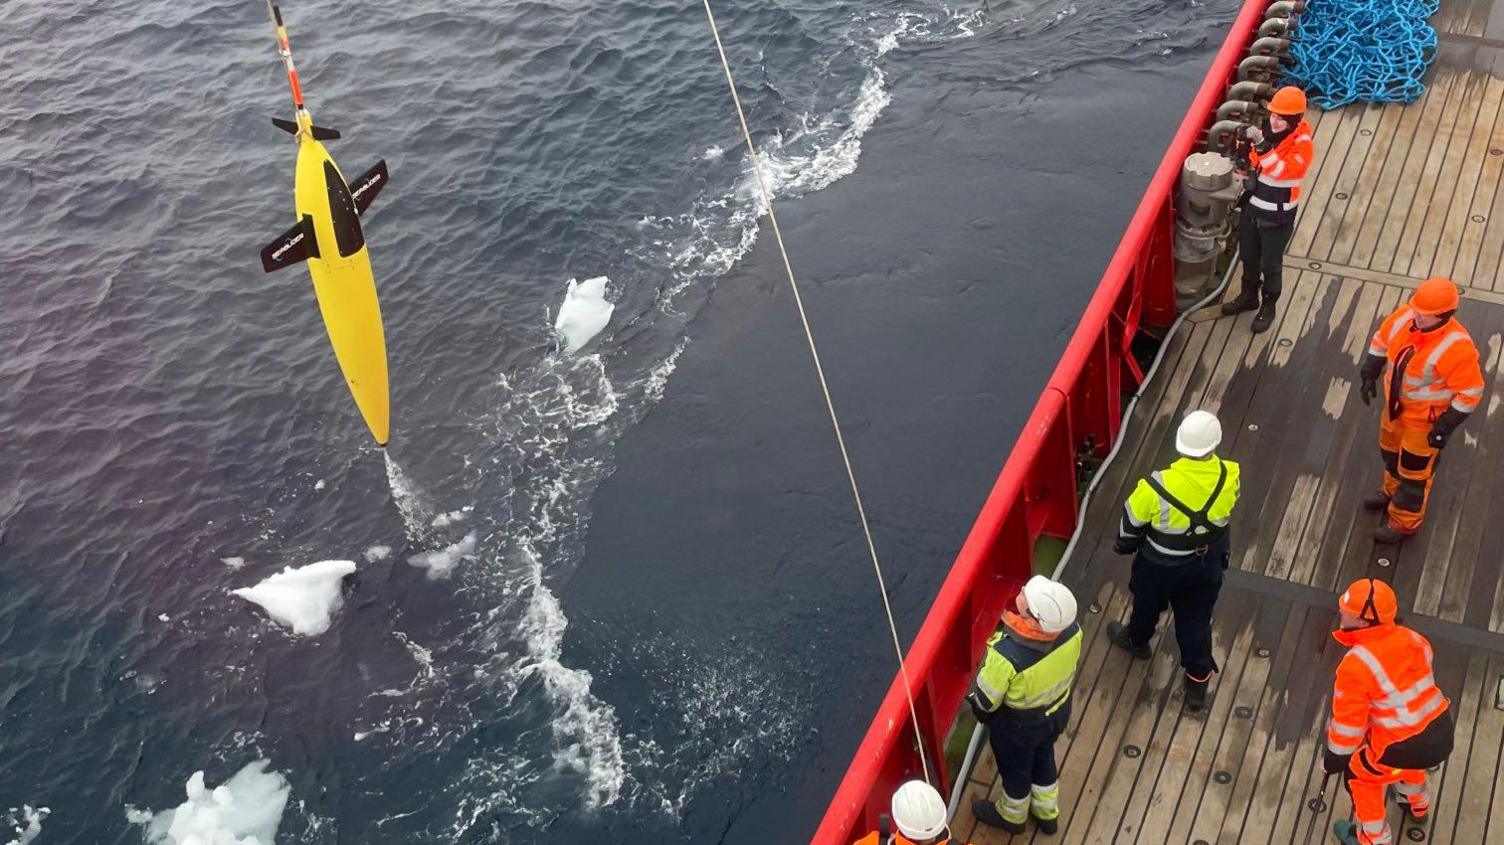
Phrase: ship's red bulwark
(1036, 492)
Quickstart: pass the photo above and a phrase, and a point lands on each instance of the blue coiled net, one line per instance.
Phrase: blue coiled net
(1370, 50)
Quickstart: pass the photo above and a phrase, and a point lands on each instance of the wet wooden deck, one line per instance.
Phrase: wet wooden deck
(1398, 193)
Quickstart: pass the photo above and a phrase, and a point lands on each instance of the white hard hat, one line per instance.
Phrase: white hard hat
(918, 810)
(1051, 603)
(1199, 434)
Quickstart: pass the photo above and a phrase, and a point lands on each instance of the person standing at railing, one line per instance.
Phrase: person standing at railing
(1175, 524)
(1023, 695)
(1434, 383)
(919, 812)
(1280, 158)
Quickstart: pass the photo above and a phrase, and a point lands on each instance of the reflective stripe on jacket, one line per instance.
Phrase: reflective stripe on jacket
(1278, 173)
(1168, 528)
(1026, 677)
(1441, 367)
(1385, 690)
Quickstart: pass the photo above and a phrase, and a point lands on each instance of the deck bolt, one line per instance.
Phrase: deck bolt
(1496, 152)
(1253, 426)
(1262, 652)
(1131, 751)
(1314, 265)
(1383, 562)
(1478, 218)
(1316, 805)
(1340, 195)
(1285, 341)
(1094, 608)
(1243, 711)
(1222, 777)
(1415, 834)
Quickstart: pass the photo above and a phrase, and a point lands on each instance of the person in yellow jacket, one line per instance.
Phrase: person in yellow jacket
(919, 812)
(1176, 527)
(1023, 696)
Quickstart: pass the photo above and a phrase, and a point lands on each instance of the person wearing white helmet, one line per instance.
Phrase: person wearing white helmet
(919, 813)
(1175, 524)
(1023, 695)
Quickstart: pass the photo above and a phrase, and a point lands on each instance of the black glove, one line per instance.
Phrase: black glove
(1442, 429)
(981, 715)
(1333, 763)
(1373, 367)
(1127, 545)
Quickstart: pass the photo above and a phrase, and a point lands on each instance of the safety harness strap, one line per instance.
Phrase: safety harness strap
(1198, 518)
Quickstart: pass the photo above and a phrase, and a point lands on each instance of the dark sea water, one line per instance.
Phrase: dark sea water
(665, 628)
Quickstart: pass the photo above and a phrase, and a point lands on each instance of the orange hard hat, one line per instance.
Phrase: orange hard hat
(1288, 100)
(1370, 599)
(1435, 295)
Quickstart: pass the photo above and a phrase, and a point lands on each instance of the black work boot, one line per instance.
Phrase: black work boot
(985, 812)
(1376, 501)
(1117, 634)
(1246, 301)
(1265, 318)
(1049, 827)
(1195, 693)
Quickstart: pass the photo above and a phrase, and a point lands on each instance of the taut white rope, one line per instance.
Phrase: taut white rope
(830, 404)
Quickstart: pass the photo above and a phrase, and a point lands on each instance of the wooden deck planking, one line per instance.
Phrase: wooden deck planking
(1421, 185)
(1169, 791)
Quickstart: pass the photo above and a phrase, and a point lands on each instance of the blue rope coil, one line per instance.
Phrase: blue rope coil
(1375, 51)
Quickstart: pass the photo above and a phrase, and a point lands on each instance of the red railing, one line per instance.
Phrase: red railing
(1035, 494)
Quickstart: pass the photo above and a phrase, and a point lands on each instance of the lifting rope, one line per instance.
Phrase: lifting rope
(1374, 51)
(856, 494)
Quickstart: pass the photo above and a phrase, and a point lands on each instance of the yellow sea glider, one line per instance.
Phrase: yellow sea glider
(327, 235)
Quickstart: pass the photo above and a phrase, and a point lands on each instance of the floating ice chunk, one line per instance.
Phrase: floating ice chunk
(301, 598)
(26, 822)
(584, 312)
(442, 562)
(162, 617)
(245, 810)
(233, 562)
(319, 485)
(376, 553)
(444, 520)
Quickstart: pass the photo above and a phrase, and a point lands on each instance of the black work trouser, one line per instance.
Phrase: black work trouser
(1262, 249)
(1431, 747)
(1190, 590)
(1025, 749)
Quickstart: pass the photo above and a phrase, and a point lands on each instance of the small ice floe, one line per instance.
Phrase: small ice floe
(303, 599)
(444, 520)
(443, 561)
(583, 313)
(376, 553)
(26, 822)
(235, 563)
(319, 485)
(162, 617)
(244, 810)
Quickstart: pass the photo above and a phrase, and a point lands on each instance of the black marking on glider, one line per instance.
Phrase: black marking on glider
(342, 213)
(292, 246)
(368, 185)
(288, 126)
